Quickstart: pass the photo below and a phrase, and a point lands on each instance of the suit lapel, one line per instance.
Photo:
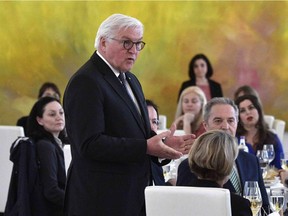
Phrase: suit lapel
(140, 99)
(114, 82)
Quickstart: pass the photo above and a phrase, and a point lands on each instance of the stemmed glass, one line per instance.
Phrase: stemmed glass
(284, 162)
(276, 199)
(253, 194)
(263, 158)
(270, 151)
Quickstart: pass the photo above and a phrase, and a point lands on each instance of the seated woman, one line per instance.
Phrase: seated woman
(46, 125)
(48, 89)
(246, 90)
(211, 159)
(253, 127)
(189, 112)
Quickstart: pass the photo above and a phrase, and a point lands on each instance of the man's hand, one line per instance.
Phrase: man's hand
(180, 143)
(157, 148)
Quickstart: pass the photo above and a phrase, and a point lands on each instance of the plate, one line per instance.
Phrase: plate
(269, 183)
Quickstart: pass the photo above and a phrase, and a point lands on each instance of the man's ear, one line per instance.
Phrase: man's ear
(205, 125)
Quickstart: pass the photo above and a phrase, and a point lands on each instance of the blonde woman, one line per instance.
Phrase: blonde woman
(211, 159)
(189, 112)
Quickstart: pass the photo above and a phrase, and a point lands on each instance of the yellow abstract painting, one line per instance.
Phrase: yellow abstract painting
(246, 42)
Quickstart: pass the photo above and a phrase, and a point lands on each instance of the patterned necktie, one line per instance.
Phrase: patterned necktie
(124, 83)
(235, 181)
(121, 77)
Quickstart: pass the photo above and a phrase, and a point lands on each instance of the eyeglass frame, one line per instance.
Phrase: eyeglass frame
(155, 121)
(138, 43)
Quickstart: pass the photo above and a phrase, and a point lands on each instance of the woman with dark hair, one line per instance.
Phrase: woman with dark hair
(48, 89)
(46, 127)
(246, 90)
(200, 73)
(253, 126)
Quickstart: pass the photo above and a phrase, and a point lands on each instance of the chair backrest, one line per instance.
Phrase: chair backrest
(8, 134)
(279, 127)
(162, 122)
(187, 201)
(269, 119)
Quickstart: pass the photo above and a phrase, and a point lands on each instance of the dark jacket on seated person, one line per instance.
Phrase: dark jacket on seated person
(239, 205)
(248, 169)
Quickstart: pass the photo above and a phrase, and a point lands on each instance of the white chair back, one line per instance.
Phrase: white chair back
(279, 127)
(187, 201)
(8, 134)
(162, 122)
(269, 119)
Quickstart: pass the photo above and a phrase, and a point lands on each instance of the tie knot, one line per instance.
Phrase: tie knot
(121, 77)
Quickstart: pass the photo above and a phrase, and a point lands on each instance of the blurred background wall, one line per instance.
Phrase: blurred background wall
(246, 43)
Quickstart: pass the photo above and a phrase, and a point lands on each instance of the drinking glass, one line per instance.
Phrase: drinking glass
(270, 151)
(276, 199)
(284, 162)
(263, 158)
(253, 194)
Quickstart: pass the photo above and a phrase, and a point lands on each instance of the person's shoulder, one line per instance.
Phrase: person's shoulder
(213, 82)
(184, 164)
(22, 121)
(240, 205)
(188, 83)
(242, 155)
(45, 144)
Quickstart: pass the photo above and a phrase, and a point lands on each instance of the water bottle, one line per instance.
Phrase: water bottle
(242, 145)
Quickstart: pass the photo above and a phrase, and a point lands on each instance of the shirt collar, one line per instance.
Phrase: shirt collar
(112, 68)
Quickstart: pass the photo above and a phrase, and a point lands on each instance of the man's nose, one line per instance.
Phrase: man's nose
(225, 125)
(133, 49)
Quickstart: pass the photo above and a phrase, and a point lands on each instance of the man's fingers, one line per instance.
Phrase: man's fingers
(173, 128)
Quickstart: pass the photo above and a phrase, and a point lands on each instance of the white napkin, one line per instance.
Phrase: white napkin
(274, 214)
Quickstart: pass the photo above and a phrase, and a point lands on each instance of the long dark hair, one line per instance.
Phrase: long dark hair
(263, 134)
(191, 66)
(37, 131)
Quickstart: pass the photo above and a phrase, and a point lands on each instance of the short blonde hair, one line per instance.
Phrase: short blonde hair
(212, 155)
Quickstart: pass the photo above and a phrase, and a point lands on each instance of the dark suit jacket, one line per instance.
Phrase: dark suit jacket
(215, 87)
(248, 169)
(239, 205)
(110, 168)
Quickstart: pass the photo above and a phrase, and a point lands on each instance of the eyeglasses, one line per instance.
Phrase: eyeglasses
(128, 44)
(154, 121)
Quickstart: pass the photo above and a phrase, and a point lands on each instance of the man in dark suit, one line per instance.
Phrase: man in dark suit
(222, 113)
(108, 125)
(156, 168)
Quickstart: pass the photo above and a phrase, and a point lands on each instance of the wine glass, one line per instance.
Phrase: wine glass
(253, 194)
(276, 199)
(284, 162)
(270, 151)
(263, 158)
